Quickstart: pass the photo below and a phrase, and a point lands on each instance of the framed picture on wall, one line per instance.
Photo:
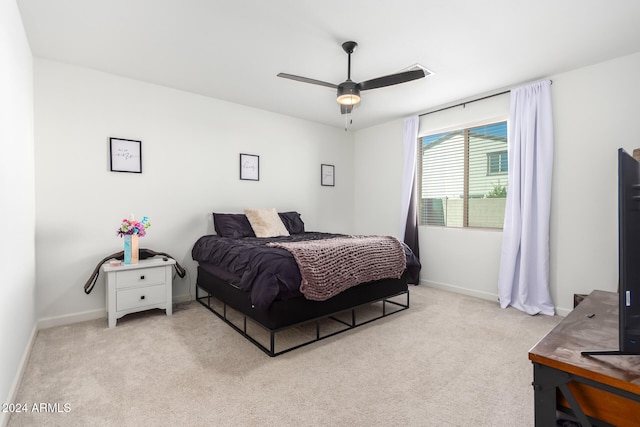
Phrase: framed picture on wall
(327, 175)
(126, 155)
(249, 167)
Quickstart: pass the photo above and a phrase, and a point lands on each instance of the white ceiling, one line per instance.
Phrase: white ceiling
(233, 49)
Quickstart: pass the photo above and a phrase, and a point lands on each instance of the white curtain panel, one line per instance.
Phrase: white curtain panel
(410, 138)
(523, 278)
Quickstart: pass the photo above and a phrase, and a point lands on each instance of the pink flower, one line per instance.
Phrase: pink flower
(133, 226)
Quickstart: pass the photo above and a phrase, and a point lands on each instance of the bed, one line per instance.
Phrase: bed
(265, 284)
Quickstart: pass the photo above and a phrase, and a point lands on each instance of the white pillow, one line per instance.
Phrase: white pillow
(266, 222)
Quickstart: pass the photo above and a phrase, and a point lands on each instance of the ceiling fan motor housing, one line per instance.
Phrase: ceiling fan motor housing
(348, 93)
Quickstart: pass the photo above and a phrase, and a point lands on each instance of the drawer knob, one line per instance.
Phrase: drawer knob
(142, 297)
(141, 277)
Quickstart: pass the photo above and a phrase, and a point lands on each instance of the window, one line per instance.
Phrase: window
(463, 177)
(497, 163)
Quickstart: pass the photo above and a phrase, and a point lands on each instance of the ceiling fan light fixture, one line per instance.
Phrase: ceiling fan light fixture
(348, 99)
(348, 94)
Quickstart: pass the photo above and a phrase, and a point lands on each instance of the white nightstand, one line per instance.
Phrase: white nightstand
(138, 287)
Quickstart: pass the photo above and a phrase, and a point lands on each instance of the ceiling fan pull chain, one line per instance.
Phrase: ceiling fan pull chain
(347, 120)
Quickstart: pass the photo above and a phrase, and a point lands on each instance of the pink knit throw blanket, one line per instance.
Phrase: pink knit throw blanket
(331, 266)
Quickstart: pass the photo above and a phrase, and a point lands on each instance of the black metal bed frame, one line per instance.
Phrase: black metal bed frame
(318, 337)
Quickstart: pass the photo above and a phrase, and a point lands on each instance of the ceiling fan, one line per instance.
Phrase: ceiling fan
(348, 92)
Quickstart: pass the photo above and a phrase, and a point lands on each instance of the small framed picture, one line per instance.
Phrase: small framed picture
(327, 175)
(249, 167)
(126, 155)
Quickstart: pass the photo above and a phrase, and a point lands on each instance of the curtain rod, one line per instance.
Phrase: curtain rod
(468, 102)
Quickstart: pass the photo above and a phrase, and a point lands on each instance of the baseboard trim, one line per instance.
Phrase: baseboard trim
(68, 319)
(182, 298)
(17, 380)
(560, 311)
(460, 290)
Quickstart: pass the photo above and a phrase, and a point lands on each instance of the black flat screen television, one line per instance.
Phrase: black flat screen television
(628, 256)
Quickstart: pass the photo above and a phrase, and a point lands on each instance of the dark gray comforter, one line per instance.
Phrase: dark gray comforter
(267, 273)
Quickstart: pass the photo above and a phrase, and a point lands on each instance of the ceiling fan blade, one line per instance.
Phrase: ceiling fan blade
(392, 79)
(307, 80)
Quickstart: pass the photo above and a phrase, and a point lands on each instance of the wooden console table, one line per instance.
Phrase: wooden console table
(597, 390)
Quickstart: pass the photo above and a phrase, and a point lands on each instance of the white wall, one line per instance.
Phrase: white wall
(190, 154)
(594, 108)
(378, 162)
(17, 209)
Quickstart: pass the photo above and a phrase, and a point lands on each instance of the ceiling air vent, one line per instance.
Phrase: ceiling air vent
(427, 72)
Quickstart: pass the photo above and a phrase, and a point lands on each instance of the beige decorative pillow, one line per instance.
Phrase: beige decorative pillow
(266, 222)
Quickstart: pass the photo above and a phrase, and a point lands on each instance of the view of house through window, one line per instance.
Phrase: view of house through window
(463, 177)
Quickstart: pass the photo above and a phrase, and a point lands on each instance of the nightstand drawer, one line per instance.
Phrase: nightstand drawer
(140, 277)
(140, 297)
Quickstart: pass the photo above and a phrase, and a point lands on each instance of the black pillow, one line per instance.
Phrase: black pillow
(292, 222)
(232, 225)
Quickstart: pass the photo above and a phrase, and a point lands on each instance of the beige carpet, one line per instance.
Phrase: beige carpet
(450, 360)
